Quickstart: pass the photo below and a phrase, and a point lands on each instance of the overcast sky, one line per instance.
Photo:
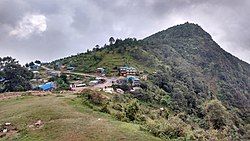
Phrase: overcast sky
(51, 29)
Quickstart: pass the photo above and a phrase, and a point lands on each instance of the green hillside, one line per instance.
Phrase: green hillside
(63, 118)
(122, 53)
(189, 74)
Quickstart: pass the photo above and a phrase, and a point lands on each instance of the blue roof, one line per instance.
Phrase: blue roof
(47, 86)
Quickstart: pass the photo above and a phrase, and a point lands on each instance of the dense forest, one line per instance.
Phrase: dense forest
(205, 90)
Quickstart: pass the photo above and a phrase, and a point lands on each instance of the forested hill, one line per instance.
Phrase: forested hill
(195, 58)
(192, 70)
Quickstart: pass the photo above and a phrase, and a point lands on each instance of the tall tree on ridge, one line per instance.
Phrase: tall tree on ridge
(111, 40)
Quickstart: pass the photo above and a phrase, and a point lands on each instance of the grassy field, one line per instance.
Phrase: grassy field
(64, 118)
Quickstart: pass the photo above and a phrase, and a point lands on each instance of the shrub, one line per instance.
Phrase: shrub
(168, 129)
(61, 85)
(142, 95)
(121, 116)
(216, 114)
(105, 108)
(124, 87)
(117, 107)
(94, 97)
(166, 100)
(131, 110)
(144, 85)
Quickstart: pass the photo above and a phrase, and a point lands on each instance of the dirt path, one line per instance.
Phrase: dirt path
(107, 83)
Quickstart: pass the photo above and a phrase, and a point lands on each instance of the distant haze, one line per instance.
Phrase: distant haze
(52, 29)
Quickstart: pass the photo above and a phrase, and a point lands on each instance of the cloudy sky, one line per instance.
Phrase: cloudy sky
(51, 29)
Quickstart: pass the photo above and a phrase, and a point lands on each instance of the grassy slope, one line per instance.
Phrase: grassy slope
(107, 59)
(65, 119)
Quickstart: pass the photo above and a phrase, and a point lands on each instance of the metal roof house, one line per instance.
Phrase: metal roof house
(47, 86)
(100, 70)
(135, 81)
(124, 71)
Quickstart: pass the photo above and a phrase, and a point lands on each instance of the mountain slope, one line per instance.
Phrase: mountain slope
(192, 71)
(190, 48)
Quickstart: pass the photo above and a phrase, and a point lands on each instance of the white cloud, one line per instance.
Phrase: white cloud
(28, 25)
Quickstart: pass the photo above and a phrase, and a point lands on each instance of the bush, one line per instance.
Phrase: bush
(168, 129)
(166, 100)
(216, 114)
(124, 87)
(117, 107)
(121, 116)
(61, 85)
(131, 110)
(142, 95)
(105, 108)
(94, 97)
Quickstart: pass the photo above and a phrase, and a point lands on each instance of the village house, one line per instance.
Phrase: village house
(135, 81)
(35, 67)
(36, 74)
(53, 73)
(125, 71)
(100, 71)
(47, 86)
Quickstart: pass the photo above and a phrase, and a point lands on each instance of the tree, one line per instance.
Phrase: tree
(6, 60)
(31, 64)
(130, 81)
(131, 110)
(118, 41)
(26, 65)
(216, 114)
(111, 40)
(61, 85)
(62, 82)
(38, 62)
(97, 46)
(64, 78)
(88, 51)
(16, 77)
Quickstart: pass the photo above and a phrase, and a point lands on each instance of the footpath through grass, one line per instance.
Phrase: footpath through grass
(64, 118)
